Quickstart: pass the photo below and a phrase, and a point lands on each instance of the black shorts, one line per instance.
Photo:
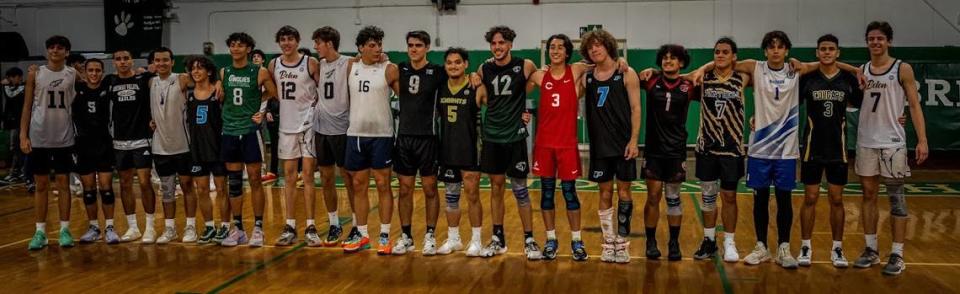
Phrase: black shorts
(670, 170)
(454, 174)
(94, 155)
(244, 148)
(136, 158)
(43, 160)
(204, 169)
(723, 168)
(415, 153)
(330, 149)
(505, 158)
(811, 172)
(603, 170)
(167, 165)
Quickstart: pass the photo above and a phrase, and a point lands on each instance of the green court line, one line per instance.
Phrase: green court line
(717, 262)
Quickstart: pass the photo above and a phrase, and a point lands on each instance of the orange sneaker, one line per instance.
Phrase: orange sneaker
(356, 244)
(384, 246)
(269, 178)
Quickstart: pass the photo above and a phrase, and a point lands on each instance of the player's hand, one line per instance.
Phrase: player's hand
(631, 152)
(696, 77)
(752, 127)
(526, 117)
(862, 79)
(902, 120)
(153, 125)
(622, 65)
(269, 117)
(25, 145)
(257, 118)
(140, 70)
(796, 64)
(33, 68)
(384, 58)
(475, 80)
(646, 74)
(922, 152)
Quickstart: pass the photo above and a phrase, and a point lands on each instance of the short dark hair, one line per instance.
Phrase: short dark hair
(193, 61)
(456, 50)
(13, 72)
(287, 31)
(506, 32)
(158, 50)
(93, 60)
(328, 34)
(75, 58)
(567, 44)
(423, 36)
(600, 36)
(258, 52)
(775, 35)
(828, 38)
(245, 39)
(369, 33)
(882, 26)
(305, 51)
(676, 51)
(122, 48)
(58, 40)
(728, 41)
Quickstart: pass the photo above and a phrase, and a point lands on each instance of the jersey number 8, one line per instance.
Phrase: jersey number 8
(237, 96)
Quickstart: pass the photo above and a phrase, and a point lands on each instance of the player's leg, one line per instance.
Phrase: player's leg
(189, 203)
(471, 187)
(868, 168)
(837, 219)
(125, 169)
(258, 200)
(494, 166)
(708, 171)
(107, 199)
(405, 166)
(234, 195)
(452, 188)
(380, 151)
(516, 170)
(40, 170)
(545, 163)
(651, 208)
(88, 182)
(142, 161)
(568, 168)
(784, 181)
(63, 159)
(289, 153)
(201, 182)
(601, 172)
(223, 202)
(733, 170)
(673, 177)
(624, 212)
(311, 233)
(759, 179)
(893, 176)
(165, 166)
(811, 173)
(428, 150)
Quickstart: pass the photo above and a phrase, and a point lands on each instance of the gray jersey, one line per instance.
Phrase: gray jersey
(168, 107)
(332, 115)
(51, 123)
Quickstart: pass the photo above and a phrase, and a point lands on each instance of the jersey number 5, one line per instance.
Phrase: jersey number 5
(452, 113)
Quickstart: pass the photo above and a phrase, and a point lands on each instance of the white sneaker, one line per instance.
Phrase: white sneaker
(429, 245)
(836, 256)
(784, 257)
(622, 250)
(189, 234)
(149, 236)
(804, 258)
(730, 253)
(131, 235)
(494, 248)
(169, 234)
(404, 245)
(608, 252)
(450, 246)
(759, 254)
(474, 248)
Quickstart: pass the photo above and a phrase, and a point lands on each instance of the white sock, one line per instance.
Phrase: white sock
(837, 244)
(363, 231)
(475, 233)
(897, 249)
(575, 235)
(385, 229)
(208, 223)
(42, 227)
(606, 222)
(292, 223)
(108, 222)
(552, 235)
(132, 221)
(805, 243)
(334, 218)
(95, 223)
(710, 233)
(310, 222)
(150, 221)
(871, 241)
(353, 219)
(453, 233)
(192, 221)
(728, 238)
(169, 223)
(64, 225)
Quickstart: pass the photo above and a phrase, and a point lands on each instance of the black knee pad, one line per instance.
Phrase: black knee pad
(107, 197)
(235, 183)
(89, 197)
(569, 189)
(728, 185)
(548, 194)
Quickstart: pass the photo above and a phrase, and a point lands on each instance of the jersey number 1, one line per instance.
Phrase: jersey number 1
(53, 103)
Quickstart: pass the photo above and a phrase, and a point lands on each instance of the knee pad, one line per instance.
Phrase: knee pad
(728, 185)
(898, 201)
(107, 197)
(673, 199)
(520, 191)
(548, 192)
(624, 214)
(708, 200)
(168, 188)
(235, 183)
(89, 197)
(453, 196)
(569, 189)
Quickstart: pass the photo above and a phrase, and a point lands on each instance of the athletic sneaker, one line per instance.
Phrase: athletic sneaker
(256, 238)
(708, 249)
(804, 258)
(868, 258)
(208, 233)
(149, 236)
(92, 235)
(895, 265)
(652, 251)
(312, 237)
(622, 250)
(110, 236)
(730, 253)
(608, 253)
(383, 245)
(222, 233)
(474, 248)
(579, 250)
(333, 236)
(189, 234)
(759, 254)
(673, 251)
(287, 237)
(269, 178)
(450, 246)
(169, 234)
(355, 243)
(131, 235)
(836, 256)
(429, 245)
(404, 245)
(532, 250)
(550, 249)
(66, 240)
(494, 248)
(784, 257)
(38, 241)
(236, 237)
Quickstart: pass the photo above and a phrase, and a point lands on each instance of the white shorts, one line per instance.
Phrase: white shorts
(296, 145)
(888, 163)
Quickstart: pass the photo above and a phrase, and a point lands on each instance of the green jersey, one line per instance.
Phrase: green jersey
(506, 101)
(242, 99)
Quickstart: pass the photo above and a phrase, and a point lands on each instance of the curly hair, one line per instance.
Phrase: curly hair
(601, 37)
(775, 35)
(676, 51)
(243, 38)
(199, 61)
(287, 31)
(506, 32)
(369, 33)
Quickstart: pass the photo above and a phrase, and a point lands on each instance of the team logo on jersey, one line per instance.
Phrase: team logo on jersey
(684, 88)
(548, 85)
(56, 83)
(466, 91)
(616, 78)
(890, 77)
(791, 74)
(521, 166)
(328, 74)
(536, 165)
(430, 71)
(517, 68)
(448, 174)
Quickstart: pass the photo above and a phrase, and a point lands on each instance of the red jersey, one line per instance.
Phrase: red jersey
(557, 113)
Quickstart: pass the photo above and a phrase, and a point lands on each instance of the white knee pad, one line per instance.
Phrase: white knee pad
(168, 188)
(673, 199)
(708, 201)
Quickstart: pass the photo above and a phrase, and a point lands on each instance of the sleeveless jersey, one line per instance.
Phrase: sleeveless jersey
(168, 107)
(459, 125)
(418, 98)
(557, 111)
(130, 111)
(608, 116)
(51, 124)
(721, 115)
(506, 101)
(91, 112)
(332, 115)
(370, 114)
(776, 94)
(241, 89)
(667, 103)
(883, 103)
(298, 93)
(206, 127)
(827, 99)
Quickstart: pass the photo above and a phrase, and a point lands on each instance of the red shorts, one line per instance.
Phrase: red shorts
(563, 163)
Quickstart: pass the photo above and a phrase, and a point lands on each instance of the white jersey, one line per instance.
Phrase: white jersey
(297, 92)
(332, 115)
(776, 96)
(370, 115)
(168, 107)
(51, 123)
(883, 103)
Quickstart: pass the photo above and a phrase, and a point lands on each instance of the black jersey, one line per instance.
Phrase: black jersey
(667, 102)
(418, 98)
(206, 127)
(130, 110)
(459, 126)
(506, 101)
(91, 112)
(608, 116)
(721, 115)
(827, 99)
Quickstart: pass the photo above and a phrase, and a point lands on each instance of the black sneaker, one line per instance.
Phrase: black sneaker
(708, 249)
(652, 251)
(208, 233)
(895, 265)
(333, 236)
(222, 233)
(31, 186)
(579, 250)
(673, 250)
(550, 249)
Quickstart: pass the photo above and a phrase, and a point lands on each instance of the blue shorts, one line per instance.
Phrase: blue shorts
(368, 152)
(781, 172)
(244, 148)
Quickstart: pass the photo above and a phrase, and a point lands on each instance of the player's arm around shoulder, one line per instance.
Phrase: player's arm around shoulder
(393, 77)
(481, 94)
(265, 82)
(528, 68)
(535, 80)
